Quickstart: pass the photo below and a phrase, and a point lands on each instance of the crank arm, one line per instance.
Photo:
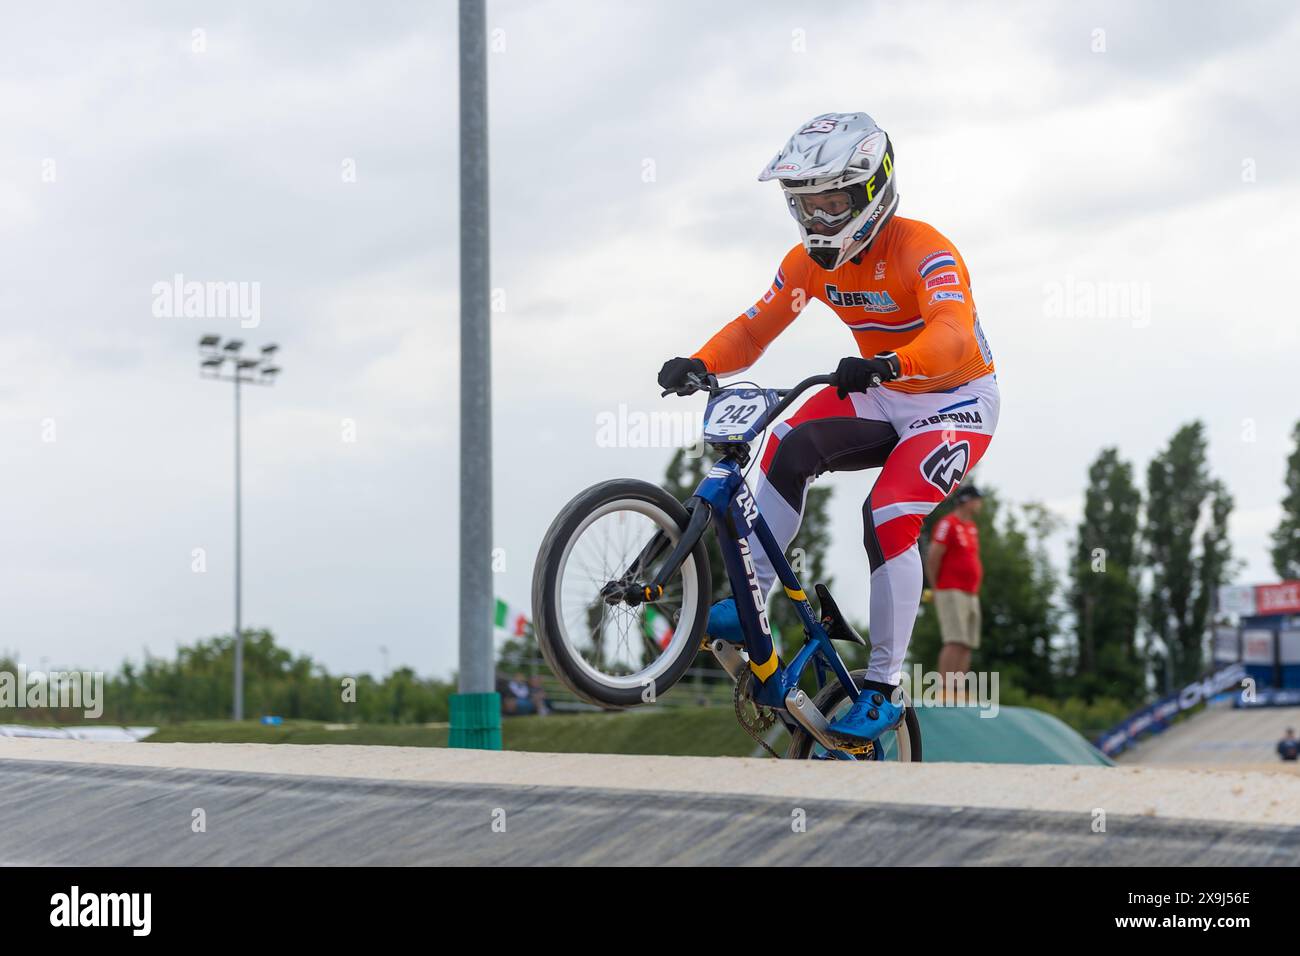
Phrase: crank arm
(802, 709)
(729, 657)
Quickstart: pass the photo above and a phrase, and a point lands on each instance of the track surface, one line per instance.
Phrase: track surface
(1220, 737)
(65, 802)
(100, 815)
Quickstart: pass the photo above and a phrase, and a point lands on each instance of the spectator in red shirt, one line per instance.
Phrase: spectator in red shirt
(953, 568)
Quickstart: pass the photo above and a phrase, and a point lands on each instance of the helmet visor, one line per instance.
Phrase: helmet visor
(825, 213)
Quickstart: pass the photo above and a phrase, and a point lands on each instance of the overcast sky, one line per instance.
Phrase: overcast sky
(1067, 150)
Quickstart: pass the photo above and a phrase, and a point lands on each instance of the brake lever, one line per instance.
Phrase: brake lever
(694, 383)
(708, 382)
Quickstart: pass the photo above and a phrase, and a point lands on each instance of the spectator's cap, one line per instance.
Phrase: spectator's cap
(967, 492)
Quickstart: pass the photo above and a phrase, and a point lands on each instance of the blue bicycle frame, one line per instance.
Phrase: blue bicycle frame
(735, 516)
(732, 422)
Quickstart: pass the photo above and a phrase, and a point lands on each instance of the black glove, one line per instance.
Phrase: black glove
(858, 374)
(673, 374)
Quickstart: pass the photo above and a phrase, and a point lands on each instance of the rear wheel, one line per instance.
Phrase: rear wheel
(903, 744)
(615, 654)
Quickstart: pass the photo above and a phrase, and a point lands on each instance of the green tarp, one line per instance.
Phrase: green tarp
(1015, 735)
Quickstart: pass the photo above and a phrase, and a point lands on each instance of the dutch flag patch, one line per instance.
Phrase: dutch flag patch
(936, 261)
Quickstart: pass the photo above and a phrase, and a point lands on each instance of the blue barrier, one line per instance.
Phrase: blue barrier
(1271, 697)
(1156, 718)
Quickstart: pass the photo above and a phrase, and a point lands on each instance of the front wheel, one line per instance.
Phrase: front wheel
(608, 652)
(902, 744)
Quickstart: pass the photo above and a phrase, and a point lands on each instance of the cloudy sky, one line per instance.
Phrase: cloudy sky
(1120, 178)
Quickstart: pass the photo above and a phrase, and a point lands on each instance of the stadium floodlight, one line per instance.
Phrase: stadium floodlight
(243, 371)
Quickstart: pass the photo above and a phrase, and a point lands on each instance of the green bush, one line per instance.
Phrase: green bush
(198, 685)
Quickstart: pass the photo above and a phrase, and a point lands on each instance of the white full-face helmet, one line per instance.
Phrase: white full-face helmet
(837, 172)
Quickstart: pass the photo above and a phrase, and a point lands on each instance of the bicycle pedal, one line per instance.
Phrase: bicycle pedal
(855, 748)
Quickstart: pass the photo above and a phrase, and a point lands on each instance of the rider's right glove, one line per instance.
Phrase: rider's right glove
(856, 374)
(673, 374)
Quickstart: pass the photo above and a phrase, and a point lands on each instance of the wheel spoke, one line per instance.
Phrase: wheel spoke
(618, 641)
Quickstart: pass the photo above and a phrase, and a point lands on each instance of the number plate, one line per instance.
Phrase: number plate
(733, 414)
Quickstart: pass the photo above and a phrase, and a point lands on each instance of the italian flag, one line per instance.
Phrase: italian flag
(510, 619)
(657, 627)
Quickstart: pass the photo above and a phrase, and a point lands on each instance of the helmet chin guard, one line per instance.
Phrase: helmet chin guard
(837, 172)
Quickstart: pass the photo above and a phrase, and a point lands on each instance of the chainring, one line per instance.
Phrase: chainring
(754, 718)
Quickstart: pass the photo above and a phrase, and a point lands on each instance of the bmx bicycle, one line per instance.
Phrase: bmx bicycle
(622, 588)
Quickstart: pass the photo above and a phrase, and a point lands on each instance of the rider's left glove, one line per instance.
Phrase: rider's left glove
(856, 374)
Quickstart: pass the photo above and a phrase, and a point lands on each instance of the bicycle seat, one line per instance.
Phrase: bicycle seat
(837, 628)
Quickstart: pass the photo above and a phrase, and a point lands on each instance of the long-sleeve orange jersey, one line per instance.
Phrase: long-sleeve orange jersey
(908, 294)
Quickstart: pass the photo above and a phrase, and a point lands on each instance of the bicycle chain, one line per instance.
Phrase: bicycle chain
(764, 718)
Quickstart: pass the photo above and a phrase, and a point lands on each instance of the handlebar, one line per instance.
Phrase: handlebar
(709, 383)
(788, 395)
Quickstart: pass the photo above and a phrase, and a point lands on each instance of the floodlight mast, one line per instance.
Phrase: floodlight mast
(213, 357)
(476, 708)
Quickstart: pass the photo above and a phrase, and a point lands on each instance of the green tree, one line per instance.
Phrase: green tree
(1286, 537)
(1105, 596)
(1017, 596)
(1184, 503)
(520, 655)
(197, 685)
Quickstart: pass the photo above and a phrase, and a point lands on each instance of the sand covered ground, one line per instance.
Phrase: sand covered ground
(1234, 795)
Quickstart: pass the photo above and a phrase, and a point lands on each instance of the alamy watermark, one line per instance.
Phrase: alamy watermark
(191, 299)
(131, 911)
(1076, 298)
(56, 690)
(935, 689)
(632, 428)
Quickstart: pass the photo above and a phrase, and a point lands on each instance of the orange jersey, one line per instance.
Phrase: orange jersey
(908, 294)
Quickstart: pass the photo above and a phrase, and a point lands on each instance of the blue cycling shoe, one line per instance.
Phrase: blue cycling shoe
(724, 622)
(873, 715)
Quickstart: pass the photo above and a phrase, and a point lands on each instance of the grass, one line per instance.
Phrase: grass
(1020, 735)
(707, 731)
(299, 732)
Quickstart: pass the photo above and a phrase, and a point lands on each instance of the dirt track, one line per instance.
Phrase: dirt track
(1214, 795)
(1220, 738)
